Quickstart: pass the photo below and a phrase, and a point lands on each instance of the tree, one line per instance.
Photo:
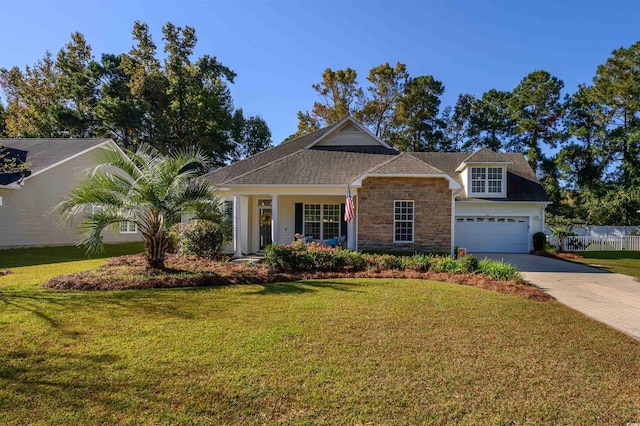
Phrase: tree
(147, 85)
(537, 111)
(490, 125)
(340, 96)
(612, 204)
(29, 96)
(150, 190)
(77, 85)
(458, 121)
(585, 158)
(119, 114)
(386, 90)
(3, 120)
(249, 135)
(616, 88)
(561, 232)
(417, 118)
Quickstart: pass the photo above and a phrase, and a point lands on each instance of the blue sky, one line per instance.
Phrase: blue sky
(280, 48)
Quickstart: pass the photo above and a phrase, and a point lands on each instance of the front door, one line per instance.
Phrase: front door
(264, 215)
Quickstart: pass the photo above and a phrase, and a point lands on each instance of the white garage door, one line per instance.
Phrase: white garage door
(494, 234)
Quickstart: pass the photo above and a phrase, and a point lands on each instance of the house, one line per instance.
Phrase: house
(27, 198)
(484, 201)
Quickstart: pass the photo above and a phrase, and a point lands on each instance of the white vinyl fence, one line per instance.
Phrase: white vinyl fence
(581, 243)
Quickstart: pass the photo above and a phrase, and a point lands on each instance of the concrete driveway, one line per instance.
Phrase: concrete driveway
(612, 299)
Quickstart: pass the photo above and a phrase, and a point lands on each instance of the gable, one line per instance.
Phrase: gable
(348, 135)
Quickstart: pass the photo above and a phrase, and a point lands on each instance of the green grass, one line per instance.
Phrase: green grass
(46, 255)
(621, 262)
(314, 352)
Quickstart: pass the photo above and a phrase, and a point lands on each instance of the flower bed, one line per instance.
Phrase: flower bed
(300, 257)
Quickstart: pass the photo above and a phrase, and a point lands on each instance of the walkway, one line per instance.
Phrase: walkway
(612, 299)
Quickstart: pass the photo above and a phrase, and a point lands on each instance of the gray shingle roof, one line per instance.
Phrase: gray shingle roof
(484, 155)
(313, 167)
(239, 168)
(292, 164)
(43, 153)
(522, 184)
(407, 164)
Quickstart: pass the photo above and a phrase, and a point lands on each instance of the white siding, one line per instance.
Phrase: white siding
(26, 218)
(348, 135)
(534, 212)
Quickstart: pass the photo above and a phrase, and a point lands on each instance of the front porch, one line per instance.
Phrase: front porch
(263, 219)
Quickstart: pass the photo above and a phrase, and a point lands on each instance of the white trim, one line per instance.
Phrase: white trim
(505, 202)
(465, 164)
(322, 222)
(109, 142)
(413, 221)
(452, 183)
(338, 126)
(453, 221)
(274, 219)
(128, 229)
(486, 180)
(237, 244)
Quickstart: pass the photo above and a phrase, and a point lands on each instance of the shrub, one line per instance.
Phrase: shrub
(418, 262)
(300, 257)
(498, 270)
(445, 264)
(389, 261)
(202, 238)
(468, 264)
(539, 241)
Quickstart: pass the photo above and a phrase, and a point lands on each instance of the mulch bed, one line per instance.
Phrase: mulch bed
(557, 255)
(128, 272)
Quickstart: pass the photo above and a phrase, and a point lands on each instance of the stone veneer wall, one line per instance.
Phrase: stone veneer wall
(432, 213)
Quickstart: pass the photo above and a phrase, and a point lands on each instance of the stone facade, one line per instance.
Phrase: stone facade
(432, 213)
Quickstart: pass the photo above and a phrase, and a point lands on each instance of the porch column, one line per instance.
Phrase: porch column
(351, 228)
(237, 244)
(274, 219)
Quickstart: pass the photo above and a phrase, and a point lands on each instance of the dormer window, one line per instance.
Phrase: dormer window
(487, 181)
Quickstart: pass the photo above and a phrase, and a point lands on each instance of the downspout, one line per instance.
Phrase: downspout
(454, 194)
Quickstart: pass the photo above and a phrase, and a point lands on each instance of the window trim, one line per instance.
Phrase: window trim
(128, 230)
(486, 180)
(412, 221)
(322, 222)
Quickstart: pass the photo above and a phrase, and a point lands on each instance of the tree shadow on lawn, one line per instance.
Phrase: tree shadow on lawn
(32, 256)
(49, 304)
(301, 287)
(62, 381)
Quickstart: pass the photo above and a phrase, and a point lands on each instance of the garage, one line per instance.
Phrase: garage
(493, 234)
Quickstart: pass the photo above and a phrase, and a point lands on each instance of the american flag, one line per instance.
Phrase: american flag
(349, 210)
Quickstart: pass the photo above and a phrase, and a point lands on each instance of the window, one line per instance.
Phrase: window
(403, 222)
(321, 221)
(487, 180)
(128, 228)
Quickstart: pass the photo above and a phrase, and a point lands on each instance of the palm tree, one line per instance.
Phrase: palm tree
(148, 189)
(561, 232)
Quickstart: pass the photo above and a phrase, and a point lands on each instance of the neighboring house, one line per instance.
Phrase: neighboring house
(430, 201)
(27, 198)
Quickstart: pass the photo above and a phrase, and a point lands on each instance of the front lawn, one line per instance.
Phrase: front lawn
(621, 262)
(340, 351)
